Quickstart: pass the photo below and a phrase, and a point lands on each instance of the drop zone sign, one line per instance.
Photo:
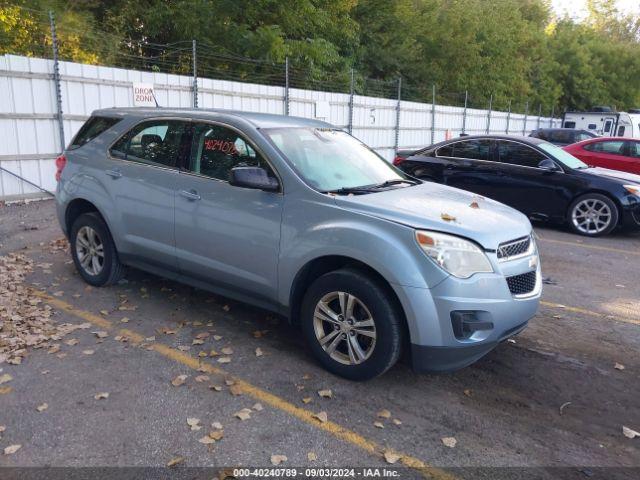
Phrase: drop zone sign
(143, 95)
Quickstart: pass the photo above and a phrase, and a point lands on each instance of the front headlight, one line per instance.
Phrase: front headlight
(460, 257)
(634, 189)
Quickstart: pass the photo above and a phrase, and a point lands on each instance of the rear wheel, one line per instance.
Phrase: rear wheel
(352, 325)
(93, 251)
(593, 215)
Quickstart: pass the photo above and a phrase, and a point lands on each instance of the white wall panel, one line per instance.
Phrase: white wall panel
(29, 130)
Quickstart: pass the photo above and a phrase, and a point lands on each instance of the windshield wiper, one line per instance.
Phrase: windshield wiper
(354, 190)
(399, 181)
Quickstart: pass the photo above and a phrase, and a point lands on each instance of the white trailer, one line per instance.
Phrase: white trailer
(609, 124)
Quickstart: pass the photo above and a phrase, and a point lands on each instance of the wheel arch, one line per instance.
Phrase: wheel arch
(77, 207)
(317, 267)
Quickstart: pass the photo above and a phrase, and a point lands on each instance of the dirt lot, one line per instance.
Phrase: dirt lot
(551, 400)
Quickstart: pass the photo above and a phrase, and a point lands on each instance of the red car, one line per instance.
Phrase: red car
(616, 153)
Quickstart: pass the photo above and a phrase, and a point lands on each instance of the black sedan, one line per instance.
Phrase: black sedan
(537, 178)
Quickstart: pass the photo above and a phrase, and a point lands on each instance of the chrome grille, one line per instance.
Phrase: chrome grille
(514, 248)
(522, 284)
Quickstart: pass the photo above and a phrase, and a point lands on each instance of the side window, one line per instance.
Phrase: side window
(215, 150)
(634, 149)
(582, 136)
(157, 142)
(446, 151)
(91, 129)
(620, 131)
(473, 149)
(591, 126)
(569, 124)
(607, 126)
(612, 147)
(561, 136)
(519, 154)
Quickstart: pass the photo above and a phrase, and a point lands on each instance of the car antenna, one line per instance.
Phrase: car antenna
(154, 99)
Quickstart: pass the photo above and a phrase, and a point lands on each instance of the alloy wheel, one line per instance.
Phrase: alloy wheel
(344, 327)
(90, 250)
(591, 216)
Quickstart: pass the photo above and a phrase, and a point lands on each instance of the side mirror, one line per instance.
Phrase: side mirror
(253, 177)
(548, 165)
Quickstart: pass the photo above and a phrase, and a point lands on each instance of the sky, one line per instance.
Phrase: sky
(577, 9)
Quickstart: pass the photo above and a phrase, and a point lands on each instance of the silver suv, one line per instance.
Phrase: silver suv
(298, 217)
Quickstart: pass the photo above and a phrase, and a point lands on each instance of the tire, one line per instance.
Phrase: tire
(593, 215)
(97, 245)
(372, 307)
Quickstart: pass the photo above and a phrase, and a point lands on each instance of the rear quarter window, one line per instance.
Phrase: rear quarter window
(91, 129)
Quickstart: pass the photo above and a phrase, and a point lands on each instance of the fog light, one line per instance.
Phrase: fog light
(465, 324)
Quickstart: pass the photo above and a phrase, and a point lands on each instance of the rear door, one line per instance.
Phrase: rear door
(607, 154)
(535, 192)
(142, 174)
(632, 156)
(470, 165)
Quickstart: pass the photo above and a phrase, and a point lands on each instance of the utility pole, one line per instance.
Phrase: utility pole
(194, 55)
(56, 80)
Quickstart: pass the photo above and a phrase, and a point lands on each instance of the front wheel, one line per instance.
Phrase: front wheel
(593, 215)
(352, 325)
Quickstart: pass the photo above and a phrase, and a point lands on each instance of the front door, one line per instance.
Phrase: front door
(535, 192)
(227, 236)
(142, 174)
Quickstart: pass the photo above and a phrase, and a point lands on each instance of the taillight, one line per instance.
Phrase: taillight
(398, 160)
(61, 162)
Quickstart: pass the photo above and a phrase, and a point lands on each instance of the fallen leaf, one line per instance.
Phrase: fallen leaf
(217, 337)
(321, 416)
(235, 390)
(474, 205)
(202, 378)
(397, 422)
(258, 407)
(197, 341)
(194, 423)
(11, 449)
(511, 340)
(618, 366)
(124, 320)
(88, 352)
(207, 440)
(327, 393)
(217, 388)
(104, 312)
(627, 432)
(312, 457)
(175, 461)
(306, 400)
(259, 352)
(5, 390)
(216, 434)
(179, 380)
(391, 457)
(447, 218)
(216, 425)
(226, 308)
(101, 396)
(4, 378)
(449, 441)
(224, 360)
(101, 334)
(71, 342)
(467, 392)
(227, 351)
(42, 408)
(278, 459)
(384, 413)
(378, 424)
(244, 414)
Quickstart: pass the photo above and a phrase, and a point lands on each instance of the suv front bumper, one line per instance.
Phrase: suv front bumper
(438, 344)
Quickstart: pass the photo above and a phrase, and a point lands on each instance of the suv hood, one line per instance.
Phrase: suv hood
(424, 206)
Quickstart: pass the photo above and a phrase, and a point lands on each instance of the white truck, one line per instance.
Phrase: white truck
(606, 123)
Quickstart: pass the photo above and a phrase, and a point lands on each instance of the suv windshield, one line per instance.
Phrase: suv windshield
(332, 160)
(562, 156)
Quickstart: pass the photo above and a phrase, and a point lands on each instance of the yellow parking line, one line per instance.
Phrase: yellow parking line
(257, 393)
(592, 247)
(589, 312)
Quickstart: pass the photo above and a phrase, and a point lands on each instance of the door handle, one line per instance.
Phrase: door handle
(114, 173)
(190, 195)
